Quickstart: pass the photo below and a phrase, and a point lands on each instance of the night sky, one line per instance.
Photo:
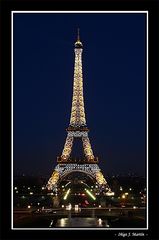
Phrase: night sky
(114, 74)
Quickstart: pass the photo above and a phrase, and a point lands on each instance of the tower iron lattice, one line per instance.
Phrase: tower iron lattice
(78, 129)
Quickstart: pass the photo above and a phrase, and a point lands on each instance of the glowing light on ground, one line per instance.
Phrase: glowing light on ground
(110, 193)
(90, 194)
(67, 193)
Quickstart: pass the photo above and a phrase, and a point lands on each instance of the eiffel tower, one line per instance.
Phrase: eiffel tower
(78, 129)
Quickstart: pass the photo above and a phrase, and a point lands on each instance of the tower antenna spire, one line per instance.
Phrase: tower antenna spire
(78, 34)
(78, 43)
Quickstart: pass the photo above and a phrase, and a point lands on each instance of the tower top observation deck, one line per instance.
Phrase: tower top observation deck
(78, 43)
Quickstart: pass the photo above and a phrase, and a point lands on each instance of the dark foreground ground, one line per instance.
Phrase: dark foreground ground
(96, 218)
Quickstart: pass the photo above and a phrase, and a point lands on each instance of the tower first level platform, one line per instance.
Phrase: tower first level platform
(92, 170)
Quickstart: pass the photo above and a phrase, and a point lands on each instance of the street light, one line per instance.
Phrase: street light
(123, 196)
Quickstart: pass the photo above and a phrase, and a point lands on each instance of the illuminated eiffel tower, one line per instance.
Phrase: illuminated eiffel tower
(78, 129)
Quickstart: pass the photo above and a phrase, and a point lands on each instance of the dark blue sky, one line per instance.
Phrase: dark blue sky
(114, 88)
